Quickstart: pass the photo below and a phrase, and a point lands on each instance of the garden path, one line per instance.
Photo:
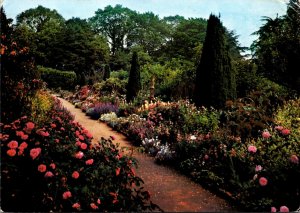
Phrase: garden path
(172, 191)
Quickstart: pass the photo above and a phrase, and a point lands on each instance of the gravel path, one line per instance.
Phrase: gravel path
(172, 191)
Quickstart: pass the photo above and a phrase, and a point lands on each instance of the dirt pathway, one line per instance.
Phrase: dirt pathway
(172, 191)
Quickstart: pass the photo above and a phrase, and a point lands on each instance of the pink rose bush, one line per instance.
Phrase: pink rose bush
(46, 169)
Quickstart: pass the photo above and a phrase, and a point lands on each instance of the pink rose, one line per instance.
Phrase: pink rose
(266, 134)
(258, 168)
(118, 171)
(24, 137)
(23, 145)
(52, 166)
(252, 149)
(76, 205)
(42, 168)
(34, 153)
(294, 159)
(67, 195)
(284, 209)
(75, 175)
(29, 126)
(93, 206)
(13, 144)
(273, 209)
(83, 146)
(263, 181)
(279, 128)
(11, 152)
(79, 155)
(89, 162)
(285, 131)
(49, 174)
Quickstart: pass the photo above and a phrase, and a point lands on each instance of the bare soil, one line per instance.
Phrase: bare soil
(172, 191)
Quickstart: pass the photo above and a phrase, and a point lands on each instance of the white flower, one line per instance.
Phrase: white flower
(193, 137)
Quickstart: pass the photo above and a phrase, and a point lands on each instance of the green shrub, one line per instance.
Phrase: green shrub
(56, 78)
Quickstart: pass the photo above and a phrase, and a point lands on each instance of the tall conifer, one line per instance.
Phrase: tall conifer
(134, 81)
(215, 78)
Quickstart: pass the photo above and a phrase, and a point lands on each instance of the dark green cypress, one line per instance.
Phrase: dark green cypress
(134, 81)
(106, 74)
(215, 77)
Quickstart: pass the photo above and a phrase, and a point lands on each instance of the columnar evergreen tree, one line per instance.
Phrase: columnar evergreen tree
(134, 81)
(106, 74)
(215, 78)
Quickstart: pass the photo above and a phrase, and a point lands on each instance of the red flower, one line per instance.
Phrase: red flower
(252, 149)
(13, 144)
(81, 137)
(284, 209)
(79, 155)
(89, 135)
(42, 168)
(23, 146)
(279, 128)
(56, 140)
(52, 166)
(78, 143)
(34, 153)
(11, 152)
(89, 162)
(67, 195)
(45, 134)
(93, 206)
(24, 137)
(29, 125)
(112, 137)
(285, 131)
(76, 205)
(19, 133)
(49, 174)
(53, 125)
(118, 171)
(99, 201)
(266, 134)
(75, 175)
(294, 159)
(263, 181)
(83, 146)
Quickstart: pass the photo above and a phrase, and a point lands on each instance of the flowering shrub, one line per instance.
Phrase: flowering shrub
(102, 108)
(55, 167)
(258, 174)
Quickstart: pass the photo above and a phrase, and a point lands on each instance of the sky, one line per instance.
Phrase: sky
(241, 16)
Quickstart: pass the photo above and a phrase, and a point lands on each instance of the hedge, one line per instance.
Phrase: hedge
(57, 78)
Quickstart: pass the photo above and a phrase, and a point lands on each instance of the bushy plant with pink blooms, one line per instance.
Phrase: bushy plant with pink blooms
(56, 167)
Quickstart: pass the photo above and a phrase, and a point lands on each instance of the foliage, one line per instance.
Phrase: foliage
(113, 86)
(277, 49)
(57, 78)
(114, 23)
(215, 78)
(19, 76)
